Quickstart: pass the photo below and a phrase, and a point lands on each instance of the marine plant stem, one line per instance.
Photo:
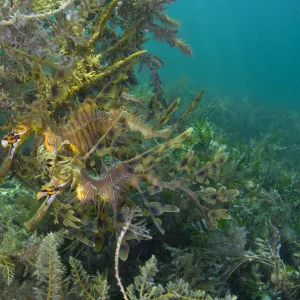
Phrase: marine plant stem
(101, 26)
(50, 284)
(86, 292)
(118, 247)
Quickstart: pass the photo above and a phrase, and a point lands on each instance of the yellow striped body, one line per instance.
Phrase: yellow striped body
(118, 179)
(88, 124)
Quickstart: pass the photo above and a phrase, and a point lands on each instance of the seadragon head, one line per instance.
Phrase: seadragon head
(15, 139)
(51, 191)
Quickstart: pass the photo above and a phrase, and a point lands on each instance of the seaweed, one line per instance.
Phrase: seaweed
(144, 286)
(7, 268)
(114, 164)
(49, 269)
(89, 287)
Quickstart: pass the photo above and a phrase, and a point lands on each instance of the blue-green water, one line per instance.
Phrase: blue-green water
(241, 49)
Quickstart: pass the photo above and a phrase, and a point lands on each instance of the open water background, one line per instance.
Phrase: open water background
(242, 49)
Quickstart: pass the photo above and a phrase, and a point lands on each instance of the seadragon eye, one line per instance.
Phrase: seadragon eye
(10, 139)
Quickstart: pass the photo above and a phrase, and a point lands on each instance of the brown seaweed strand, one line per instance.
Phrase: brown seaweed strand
(103, 20)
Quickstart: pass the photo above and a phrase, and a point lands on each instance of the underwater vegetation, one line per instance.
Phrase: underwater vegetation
(256, 253)
(96, 155)
(113, 188)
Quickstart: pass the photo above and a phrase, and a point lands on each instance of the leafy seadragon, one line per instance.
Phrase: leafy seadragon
(79, 136)
(119, 179)
(67, 148)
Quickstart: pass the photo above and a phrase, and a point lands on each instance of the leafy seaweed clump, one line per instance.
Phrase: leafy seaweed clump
(86, 286)
(144, 286)
(7, 268)
(49, 268)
